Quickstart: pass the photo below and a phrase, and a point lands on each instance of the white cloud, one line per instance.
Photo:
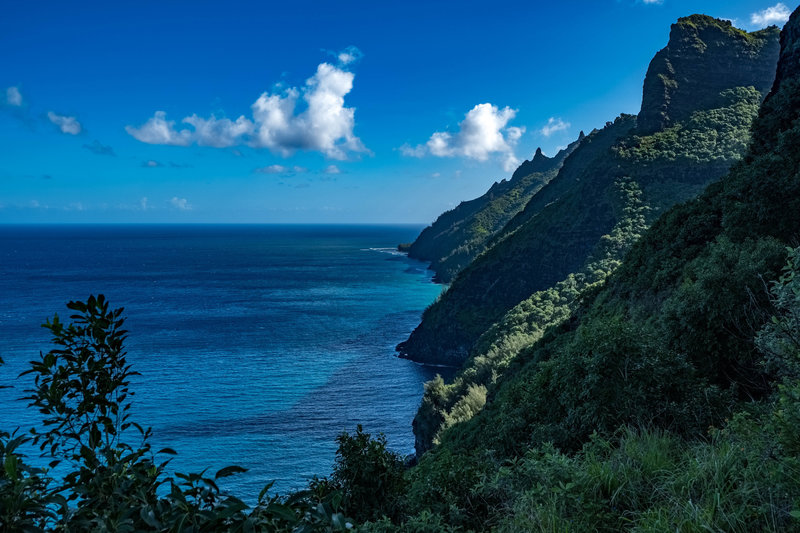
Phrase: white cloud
(272, 169)
(280, 169)
(349, 55)
(143, 203)
(180, 203)
(13, 96)
(332, 169)
(653, 1)
(219, 133)
(68, 125)
(150, 163)
(413, 151)
(159, 130)
(554, 125)
(324, 125)
(482, 133)
(777, 14)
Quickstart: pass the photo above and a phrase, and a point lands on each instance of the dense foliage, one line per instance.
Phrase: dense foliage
(107, 477)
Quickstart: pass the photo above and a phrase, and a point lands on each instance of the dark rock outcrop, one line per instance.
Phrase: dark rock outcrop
(704, 57)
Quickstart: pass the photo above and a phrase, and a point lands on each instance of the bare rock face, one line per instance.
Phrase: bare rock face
(789, 66)
(704, 56)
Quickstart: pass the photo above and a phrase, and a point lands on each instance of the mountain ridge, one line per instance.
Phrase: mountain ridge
(563, 222)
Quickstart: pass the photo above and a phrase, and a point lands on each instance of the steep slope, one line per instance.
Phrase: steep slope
(680, 313)
(459, 235)
(671, 343)
(564, 224)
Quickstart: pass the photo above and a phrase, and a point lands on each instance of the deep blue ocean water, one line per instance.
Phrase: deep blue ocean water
(257, 345)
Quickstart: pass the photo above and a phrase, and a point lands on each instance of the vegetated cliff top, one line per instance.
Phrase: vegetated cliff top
(703, 57)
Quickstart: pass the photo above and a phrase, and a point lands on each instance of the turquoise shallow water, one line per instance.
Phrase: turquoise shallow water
(257, 345)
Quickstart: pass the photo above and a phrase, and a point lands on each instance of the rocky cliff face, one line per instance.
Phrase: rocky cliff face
(704, 56)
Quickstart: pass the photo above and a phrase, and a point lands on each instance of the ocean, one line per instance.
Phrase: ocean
(257, 344)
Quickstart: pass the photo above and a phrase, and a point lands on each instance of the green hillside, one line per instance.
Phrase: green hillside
(670, 399)
(564, 228)
(459, 235)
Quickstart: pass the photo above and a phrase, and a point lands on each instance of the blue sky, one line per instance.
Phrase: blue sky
(341, 112)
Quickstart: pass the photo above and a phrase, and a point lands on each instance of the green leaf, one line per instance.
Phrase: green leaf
(284, 512)
(229, 471)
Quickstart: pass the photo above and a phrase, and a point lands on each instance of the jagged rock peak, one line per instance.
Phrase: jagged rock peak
(581, 136)
(542, 163)
(704, 57)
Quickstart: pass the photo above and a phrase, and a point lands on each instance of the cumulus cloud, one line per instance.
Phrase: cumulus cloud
(181, 204)
(68, 125)
(554, 125)
(777, 14)
(219, 133)
(98, 148)
(13, 97)
(483, 132)
(332, 169)
(159, 130)
(324, 124)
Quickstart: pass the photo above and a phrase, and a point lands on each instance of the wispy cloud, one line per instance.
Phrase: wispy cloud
(554, 125)
(98, 148)
(349, 55)
(272, 169)
(325, 125)
(13, 97)
(777, 14)
(332, 169)
(483, 132)
(280, 169)
(66, 124)
(181, 204)
(152, 163)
